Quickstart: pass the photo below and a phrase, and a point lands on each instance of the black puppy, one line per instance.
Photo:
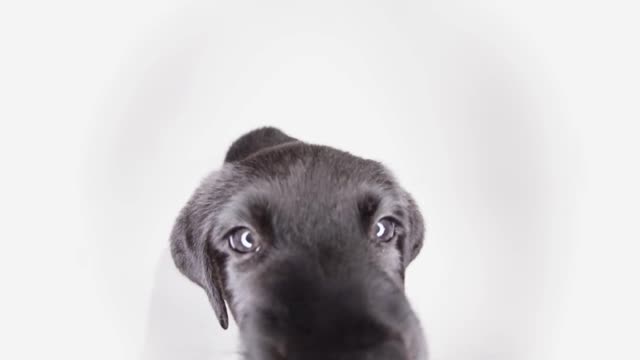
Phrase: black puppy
(308, 245)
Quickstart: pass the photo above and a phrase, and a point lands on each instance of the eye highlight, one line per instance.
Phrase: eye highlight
(384, 229)
(242, 240)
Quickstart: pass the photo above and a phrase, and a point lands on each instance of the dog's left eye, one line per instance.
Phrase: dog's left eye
(243, 241)
(384, 229)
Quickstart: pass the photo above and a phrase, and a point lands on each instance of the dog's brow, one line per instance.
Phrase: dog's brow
(368, 203)
(247, 206)
(259, 211)
(375, 198)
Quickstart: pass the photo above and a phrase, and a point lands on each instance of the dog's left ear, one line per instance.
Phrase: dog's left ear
(194, 256)
(415, 236)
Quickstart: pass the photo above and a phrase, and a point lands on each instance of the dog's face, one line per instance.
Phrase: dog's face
(308, 245)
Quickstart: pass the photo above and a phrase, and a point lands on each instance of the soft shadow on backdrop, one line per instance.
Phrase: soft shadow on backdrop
(456, 104)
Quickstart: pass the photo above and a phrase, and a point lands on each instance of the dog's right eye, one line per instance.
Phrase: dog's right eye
(243, 241)
(385, 229)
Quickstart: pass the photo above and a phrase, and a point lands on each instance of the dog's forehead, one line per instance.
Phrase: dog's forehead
(285, 160)
(307, 180)
(311, 171)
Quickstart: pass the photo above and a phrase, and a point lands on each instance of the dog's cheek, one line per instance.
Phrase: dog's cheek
(246, 289)
(239, 298)
(390, 260)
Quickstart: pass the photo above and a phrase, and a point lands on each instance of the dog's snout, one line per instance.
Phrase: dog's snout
(392, 349)
(388, 350)
(336, 334)
(328, 318)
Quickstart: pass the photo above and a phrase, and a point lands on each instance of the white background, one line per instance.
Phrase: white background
(514, 124)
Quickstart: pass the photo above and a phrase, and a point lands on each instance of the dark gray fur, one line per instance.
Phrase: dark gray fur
(320, 288)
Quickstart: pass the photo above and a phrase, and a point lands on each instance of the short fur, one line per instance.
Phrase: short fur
(321, 287)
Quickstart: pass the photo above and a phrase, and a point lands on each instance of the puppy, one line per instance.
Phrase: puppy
(308, 246)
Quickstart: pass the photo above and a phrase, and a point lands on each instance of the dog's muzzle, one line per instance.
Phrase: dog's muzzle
(301, 315)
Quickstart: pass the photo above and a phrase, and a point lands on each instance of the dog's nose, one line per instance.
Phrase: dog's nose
(388, 350)
(335, 333)
(353, 316)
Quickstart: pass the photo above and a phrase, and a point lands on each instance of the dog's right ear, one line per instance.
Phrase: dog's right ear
(191, 249)
(194, 256)
(415, 238)
(254, 141)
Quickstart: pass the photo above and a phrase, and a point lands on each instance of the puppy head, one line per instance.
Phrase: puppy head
(308, 245)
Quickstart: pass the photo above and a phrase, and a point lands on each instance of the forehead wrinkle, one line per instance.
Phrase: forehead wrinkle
(237, 211)
(389, 200)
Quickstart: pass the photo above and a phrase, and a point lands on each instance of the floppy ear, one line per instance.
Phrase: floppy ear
(254, 141)
(195, 259)
(191, 251)
(415, 237)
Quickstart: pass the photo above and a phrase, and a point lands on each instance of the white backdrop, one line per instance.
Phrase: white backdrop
(513, 123)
